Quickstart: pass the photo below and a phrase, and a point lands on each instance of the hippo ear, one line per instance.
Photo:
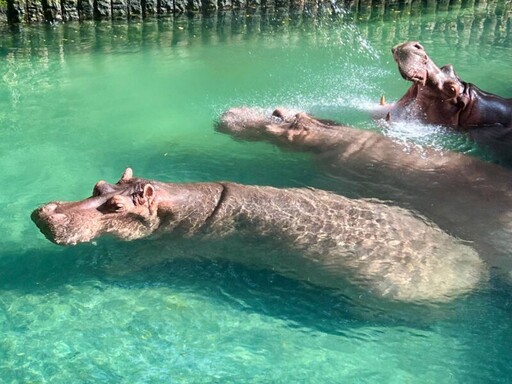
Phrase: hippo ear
(448, 70)
(149, 197)
(127, 175)
(144, 194)
(149, 192)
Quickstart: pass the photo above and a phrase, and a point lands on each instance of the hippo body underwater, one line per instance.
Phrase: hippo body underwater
(382, 249)
(465, 196)
(439, 96)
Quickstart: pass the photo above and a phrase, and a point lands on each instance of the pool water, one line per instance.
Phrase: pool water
(80, 102)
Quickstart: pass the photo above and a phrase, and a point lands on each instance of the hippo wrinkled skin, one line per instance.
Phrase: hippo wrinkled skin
(439, 96)
(384, 249)
(465, 196)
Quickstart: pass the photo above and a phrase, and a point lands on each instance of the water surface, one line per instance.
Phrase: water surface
(80, 102)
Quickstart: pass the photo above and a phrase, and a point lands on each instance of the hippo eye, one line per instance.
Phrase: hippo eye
(277, 116)
(451, 89)
(119, 207)
(115, 205)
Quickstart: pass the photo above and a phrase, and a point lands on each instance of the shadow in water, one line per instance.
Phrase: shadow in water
(189, 266)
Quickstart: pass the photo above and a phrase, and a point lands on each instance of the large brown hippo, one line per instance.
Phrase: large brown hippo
(383, 249)
(439, 96)
(465, 196)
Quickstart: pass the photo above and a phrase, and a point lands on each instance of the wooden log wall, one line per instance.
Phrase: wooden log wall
(33, 11)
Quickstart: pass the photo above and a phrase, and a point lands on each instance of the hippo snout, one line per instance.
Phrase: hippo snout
(47, 219)
(44, 213)
(48, 213)
(413, 62)
(242, 121)
(408, 46)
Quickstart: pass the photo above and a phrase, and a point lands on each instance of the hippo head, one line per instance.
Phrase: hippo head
(282, 127)
(125, 210)
(415, 65)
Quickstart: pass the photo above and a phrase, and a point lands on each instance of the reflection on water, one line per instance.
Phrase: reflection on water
(80, 102)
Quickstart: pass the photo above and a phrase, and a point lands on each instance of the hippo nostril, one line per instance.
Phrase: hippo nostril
(58, 217)
(418, 46)
(49, 208)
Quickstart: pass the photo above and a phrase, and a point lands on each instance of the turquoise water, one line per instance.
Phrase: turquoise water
(80, 102)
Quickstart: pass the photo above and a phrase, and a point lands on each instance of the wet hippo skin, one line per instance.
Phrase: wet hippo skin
(385, 250)
(439, 96)
(465, 196)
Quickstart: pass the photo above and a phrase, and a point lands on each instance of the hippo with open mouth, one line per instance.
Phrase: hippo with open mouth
(383, 249)
(465, 196)
(439, 96)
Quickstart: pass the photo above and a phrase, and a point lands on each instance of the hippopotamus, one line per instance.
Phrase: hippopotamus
(465, 196)
(439, 96)
(387, 250)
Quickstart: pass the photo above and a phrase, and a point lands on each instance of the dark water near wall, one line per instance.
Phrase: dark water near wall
(80, 102)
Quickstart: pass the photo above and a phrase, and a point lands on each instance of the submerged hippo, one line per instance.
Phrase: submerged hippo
(467, 197)
(384, 249)
(439, 96)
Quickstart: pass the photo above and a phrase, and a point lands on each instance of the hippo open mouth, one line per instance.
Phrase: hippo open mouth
(439, 96)
(415, 65)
